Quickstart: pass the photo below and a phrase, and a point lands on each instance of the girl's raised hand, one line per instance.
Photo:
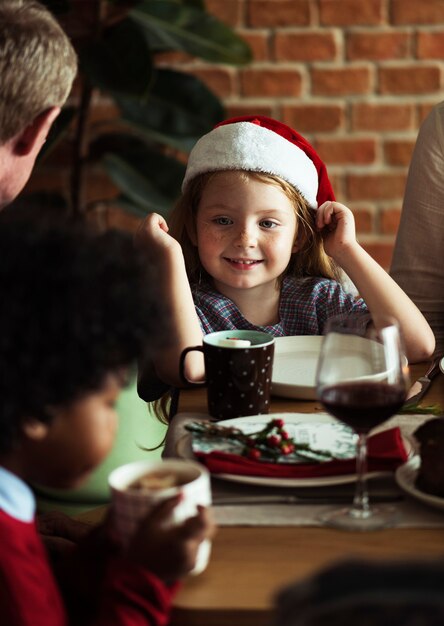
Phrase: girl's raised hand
(337, 224)
(152, 235)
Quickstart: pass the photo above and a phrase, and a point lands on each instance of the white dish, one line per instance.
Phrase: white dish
(406, 476)
(296, 361)
(294, 366)
(318, 429)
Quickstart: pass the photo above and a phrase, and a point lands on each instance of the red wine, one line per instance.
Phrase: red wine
(362, 405)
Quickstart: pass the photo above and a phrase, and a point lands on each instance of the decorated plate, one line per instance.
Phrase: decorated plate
(322, 432)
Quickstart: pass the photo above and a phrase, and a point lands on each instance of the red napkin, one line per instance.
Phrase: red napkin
(385, 452)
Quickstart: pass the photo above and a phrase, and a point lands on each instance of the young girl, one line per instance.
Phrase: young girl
(257, 242)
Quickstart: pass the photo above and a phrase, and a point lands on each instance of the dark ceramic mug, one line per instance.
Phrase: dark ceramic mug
(238, 377)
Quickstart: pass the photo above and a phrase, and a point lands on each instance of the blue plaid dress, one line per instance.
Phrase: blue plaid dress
(306, 304)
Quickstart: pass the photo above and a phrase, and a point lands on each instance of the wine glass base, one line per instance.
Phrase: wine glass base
(375, 518)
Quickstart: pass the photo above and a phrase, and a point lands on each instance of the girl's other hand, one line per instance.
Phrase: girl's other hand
(170, 551)
(337, 224)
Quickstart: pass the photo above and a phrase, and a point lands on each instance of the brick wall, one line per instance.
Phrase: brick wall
(356, 77)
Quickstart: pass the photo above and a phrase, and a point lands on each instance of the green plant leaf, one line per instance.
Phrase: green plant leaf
(167, 171)
(135, 186)
(191, 30)
(151, 180)
(120, 61)
(179, 110)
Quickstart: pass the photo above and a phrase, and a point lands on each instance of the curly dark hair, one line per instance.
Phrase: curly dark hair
(75, 305)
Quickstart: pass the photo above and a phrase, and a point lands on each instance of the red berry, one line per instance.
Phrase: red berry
(287, 448)
(279, 423)
(285, 435)
(274, 440)
(254, 454)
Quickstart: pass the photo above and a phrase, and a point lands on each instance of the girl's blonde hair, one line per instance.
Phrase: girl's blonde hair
(309, 260)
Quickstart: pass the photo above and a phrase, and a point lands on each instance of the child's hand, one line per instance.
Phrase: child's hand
(60, 533)
(170, 551)
(337, 224)
(152, 236)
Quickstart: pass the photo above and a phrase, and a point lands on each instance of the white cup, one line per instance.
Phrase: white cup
(129, 505)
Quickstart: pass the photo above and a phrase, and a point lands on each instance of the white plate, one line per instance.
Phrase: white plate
(318, 429)
(294, 366)
(296, 360)
(406, 478)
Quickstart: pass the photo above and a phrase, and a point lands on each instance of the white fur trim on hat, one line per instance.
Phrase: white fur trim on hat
(248, 146)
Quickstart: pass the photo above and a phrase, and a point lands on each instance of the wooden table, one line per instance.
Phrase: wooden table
(249, 564)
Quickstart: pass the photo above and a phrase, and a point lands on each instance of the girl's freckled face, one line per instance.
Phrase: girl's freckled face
(245, 231)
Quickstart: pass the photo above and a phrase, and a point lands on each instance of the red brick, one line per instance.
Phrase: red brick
(380, 186)
(342, 80)
(310, 46)
(424, 109)
(99, 187)
(398, 151)
(382, 252)
(417, 11)
(351, 12)
(278, 13)
(227, 11)
(389, 221)
(363, 220)
(172, 58)
(430, 45)
(314, 118)
(244, 108)
(270, 82)
(117, 218)
(220, 80)
(366, 45)
(46, 179)
(349, 150)
(338, 184)
(381, 117)
(411, 79)
(259, 43)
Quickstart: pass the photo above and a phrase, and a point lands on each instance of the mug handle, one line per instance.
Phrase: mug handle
(182, 366)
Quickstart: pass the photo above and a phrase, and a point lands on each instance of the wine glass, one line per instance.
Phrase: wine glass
(361, 380)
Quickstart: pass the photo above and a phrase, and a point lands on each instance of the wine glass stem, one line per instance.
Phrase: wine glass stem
(360, 501)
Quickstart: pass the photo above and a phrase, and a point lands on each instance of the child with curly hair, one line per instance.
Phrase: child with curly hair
(78, 310)
(257, 241)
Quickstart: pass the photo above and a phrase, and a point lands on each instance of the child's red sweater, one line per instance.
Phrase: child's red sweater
(29, 596)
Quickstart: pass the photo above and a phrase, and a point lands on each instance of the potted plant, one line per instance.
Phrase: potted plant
(160, 112)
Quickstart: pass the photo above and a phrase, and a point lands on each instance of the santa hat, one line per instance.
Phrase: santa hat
(261, 144)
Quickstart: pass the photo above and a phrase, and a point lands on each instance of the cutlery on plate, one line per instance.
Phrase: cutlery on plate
(420, 386)
(279, 499)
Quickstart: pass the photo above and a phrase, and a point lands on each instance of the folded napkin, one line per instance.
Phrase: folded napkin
(386, 452)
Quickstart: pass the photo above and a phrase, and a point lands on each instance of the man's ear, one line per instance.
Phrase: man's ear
(34, 135)
(34, 429)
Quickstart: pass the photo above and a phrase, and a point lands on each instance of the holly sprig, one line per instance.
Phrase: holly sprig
(268, 444)
(431, 409)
